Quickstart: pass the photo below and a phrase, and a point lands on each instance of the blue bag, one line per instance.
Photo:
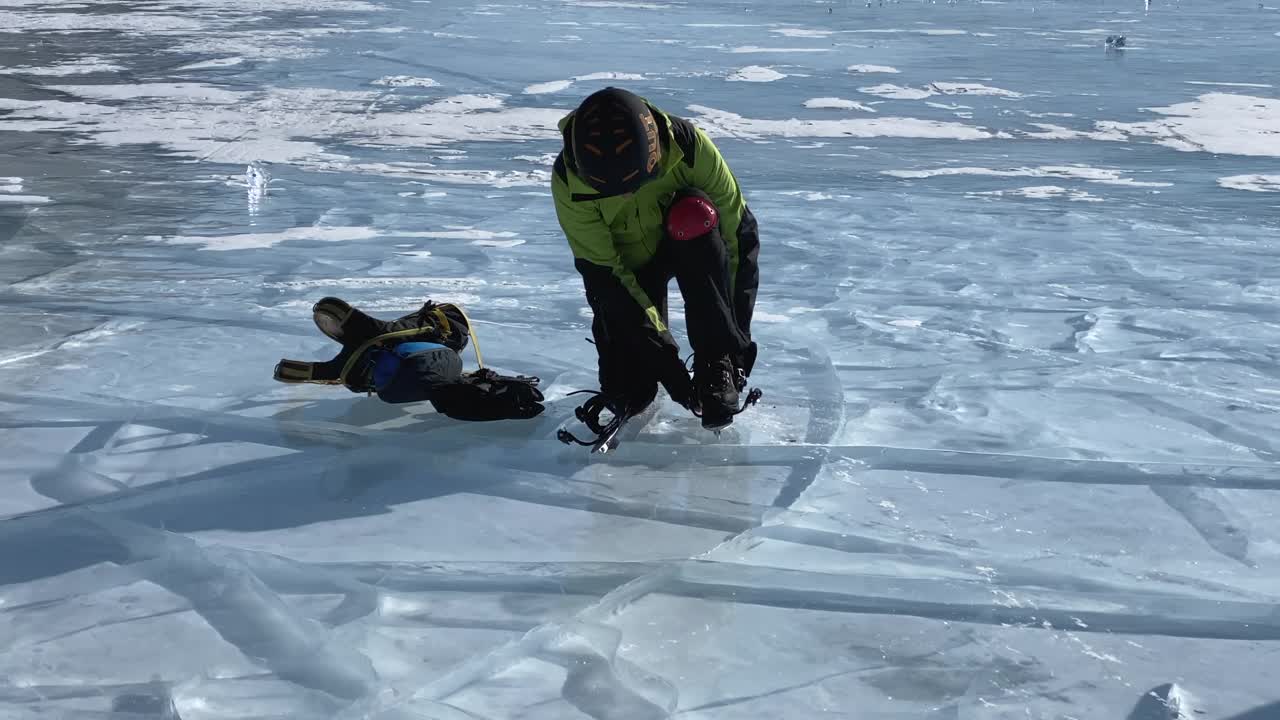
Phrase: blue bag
(413, 371)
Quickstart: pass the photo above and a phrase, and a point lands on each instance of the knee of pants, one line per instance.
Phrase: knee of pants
(691, 216)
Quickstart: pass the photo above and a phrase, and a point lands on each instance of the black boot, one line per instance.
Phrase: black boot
(717, 391)
(345, 324)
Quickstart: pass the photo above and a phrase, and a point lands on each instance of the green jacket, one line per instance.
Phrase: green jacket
(623, 233)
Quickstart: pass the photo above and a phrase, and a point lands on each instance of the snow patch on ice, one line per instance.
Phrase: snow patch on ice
(551, 86)
(81, 66)
(498, 243)
(1103, 176)
(72, 22)
(747, 49)
(1214, 123)
(459, 104)
(918, 31)
(755, 73)
(872, 69)
(1252, 183)
(493, 178)
(555, 86)
(252, 241)
(215, 63)
(280, 125)
(1043, 192)
(1058, 132)
(9, 189)
(1228, 84)
(802, 32)
(952, 88)
(832, 103)
(183, 92)
(810, 195)
(616, 4)
(608, 76)
(897, 92)
(722, 122)
(228, 132)
(406, 81)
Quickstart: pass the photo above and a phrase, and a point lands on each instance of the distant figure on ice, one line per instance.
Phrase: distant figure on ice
(414, 358)
(643, 196)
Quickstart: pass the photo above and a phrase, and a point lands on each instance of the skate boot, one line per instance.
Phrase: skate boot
(302, 371)
(343, 323)
(717, 391)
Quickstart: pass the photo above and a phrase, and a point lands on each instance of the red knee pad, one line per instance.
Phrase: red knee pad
(691, 217)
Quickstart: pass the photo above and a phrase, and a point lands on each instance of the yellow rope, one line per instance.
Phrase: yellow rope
(475, 342)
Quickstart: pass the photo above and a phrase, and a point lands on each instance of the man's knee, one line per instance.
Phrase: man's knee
(691, 216)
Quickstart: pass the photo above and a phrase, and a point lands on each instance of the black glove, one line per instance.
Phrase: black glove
(675, 378)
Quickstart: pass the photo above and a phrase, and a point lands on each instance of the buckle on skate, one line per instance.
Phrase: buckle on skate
(752, 398)
(589, 414)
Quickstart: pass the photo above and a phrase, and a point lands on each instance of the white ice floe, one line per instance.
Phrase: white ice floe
(1102, 176)
(1253, 183)
(755, 73)
(832, 103)
(722, 122)
(872, 69)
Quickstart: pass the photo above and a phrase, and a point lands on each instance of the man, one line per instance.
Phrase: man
(414, 358)
(644, 196)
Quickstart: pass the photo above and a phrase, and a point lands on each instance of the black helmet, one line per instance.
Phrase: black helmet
(615, 142)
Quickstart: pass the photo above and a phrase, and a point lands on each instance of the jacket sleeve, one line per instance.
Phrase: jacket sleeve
(712, 175)
(597, 259)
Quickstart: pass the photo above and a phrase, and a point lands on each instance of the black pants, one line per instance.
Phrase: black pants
(718, 319)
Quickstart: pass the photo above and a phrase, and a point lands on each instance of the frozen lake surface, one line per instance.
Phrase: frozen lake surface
(1019, 322)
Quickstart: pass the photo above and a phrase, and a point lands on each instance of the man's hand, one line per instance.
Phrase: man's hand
(675, 378)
